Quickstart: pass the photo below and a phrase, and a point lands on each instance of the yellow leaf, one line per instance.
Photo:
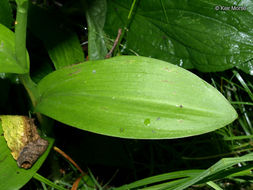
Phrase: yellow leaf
(23, 139)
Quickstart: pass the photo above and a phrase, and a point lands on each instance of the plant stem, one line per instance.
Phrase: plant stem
(129, 18)
(21, 56)
(20, 33)
(131, 10)
(30, 87)
(20, 48)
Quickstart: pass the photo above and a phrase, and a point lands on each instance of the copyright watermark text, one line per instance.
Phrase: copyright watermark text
(230, 8)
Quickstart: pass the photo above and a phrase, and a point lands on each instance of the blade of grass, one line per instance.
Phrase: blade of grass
(48, 182)
(245, 121)
(129, 18)
(164, 12)
(94, 180)
(243, 103)
(243, 83)
(109, 181)
(43, 186)
(220, 166)
(169, 185)
(214, 185)
(233, 84)
(245, 172)
(238, 137)
(160, 178)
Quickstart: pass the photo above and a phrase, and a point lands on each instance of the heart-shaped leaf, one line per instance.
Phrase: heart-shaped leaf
(193, 34)
(133, 97)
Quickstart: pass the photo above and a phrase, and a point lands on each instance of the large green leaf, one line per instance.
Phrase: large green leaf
(8, 61)
(188, 33)
(62, 44)
(13, 177)
(95, 16)
(5, 13)
(133, 97)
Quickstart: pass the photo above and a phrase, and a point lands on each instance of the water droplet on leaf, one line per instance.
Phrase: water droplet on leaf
(147, 122)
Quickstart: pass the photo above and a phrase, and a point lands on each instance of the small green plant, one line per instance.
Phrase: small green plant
(129, 96)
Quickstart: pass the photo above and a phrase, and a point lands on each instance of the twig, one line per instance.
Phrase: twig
(108, 55)
(69, 159)
(76, 183)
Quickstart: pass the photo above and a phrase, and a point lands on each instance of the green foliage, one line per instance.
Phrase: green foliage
(129, 96)
(190, 34)
(133, 97)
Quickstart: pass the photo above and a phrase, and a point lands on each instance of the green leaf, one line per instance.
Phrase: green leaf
(5, 13)
(63, 45)
(8, 61)
(13, 177)
(95, 16)
(133, 97)
(190, 34)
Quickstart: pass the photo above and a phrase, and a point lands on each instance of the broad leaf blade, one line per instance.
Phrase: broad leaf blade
(187, 33)
(13, 177)
(63, 45)
(8, 61)
(133, 97)
(96, 19)
(5, 13)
